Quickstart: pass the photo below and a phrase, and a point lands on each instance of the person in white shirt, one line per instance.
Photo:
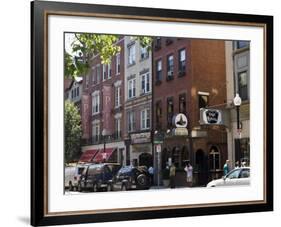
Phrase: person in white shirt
(189, 174)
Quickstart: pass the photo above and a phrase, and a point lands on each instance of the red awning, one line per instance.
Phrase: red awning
(103, 156)
(88, 156)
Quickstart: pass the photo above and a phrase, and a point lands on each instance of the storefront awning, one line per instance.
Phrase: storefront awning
(88, 156)
(103, 156)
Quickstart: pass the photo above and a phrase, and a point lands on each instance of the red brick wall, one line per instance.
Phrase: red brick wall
(178, 85)
(207, 74)
(94, 86)
(205, 71)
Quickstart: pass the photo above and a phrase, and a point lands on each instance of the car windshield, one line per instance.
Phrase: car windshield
(233, 174)
(80, 170)
(126, 169)
(245, 173)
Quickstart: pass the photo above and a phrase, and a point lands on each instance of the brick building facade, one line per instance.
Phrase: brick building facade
(189, 74)
(102, 109)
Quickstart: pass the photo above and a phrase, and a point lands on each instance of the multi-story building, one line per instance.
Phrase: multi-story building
(189, 74)
(73, 91)
(102, 110)
(138, 98)
(238, 82)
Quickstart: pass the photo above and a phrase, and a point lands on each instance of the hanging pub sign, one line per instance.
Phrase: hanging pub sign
(210, 116)
(180, 121)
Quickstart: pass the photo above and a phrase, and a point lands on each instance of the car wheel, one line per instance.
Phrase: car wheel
(109, 187)
(70, 186)
(142, 180)
(123, 187)
(79, 188)
(95, 188)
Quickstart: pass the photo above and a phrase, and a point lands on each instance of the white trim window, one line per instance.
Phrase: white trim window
(131, 88)
(131, 121)
(170, 66)
(109, 70)
(159, 70)
(145, 83)
(182, 61)
(144, 53)
(118, 64)
(132, 54)
(117, 96)
(95, 103)
(118, 128)
(95, 132)
(98, 73)
(94, 74)
(103, 72)
(145, 119)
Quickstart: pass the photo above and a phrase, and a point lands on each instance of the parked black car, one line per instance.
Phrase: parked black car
(130, 177)
(97, 177)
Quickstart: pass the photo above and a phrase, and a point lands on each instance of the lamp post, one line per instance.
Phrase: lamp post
(237, 103)
(104, 144)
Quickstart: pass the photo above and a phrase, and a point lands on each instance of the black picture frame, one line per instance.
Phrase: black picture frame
(39, 108)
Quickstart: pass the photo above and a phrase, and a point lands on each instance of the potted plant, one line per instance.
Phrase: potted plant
(166, 176)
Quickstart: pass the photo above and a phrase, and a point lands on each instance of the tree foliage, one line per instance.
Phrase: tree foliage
(72, 132)
(85, 46)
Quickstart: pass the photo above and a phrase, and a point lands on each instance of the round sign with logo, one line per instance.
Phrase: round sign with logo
(180, 121)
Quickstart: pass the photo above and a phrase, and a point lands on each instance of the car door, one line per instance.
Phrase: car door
(232, 178)
(107, 174)
(244, 177)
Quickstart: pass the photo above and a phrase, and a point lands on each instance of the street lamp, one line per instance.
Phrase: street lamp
(104, 144)
(237, 103)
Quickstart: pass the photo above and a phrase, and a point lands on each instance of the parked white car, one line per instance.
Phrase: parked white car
(238, 176)
(72, 176)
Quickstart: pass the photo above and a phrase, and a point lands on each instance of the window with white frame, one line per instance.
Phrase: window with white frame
(96, 132)
(159, 70)
(95, 103)
(132, 54)
(131, 121)
(131, 88)
(94, 74)
(145, 119)
(170, 66)
(117, 128)
(98, 73)
(118, 64)
(144, 52)
(182, 62)
(109, 70)
(103, 72)
(145, 83)
(117, 96)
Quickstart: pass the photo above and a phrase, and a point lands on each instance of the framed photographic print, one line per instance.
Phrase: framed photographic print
(141, 113)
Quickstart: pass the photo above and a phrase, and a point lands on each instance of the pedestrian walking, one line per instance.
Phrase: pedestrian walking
(172, 176)
(189, 174)
(226, 168)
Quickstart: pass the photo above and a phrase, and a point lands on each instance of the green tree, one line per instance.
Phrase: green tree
(72, 132)
(85, 46)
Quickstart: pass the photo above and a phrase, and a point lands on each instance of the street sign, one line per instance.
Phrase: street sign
(158, 141)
